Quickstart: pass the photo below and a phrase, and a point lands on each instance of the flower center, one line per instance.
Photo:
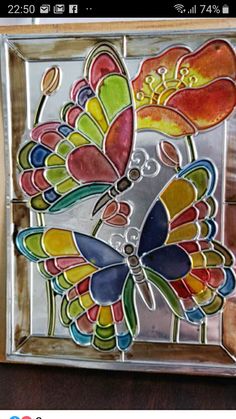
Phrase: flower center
(159, 91)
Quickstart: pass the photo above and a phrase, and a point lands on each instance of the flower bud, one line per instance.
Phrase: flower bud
(169, 154)
(51, 81)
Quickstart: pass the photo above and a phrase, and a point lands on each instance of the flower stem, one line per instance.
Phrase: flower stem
(203, 332)
(175, 329)
(192, 152)
(96, 228)
(39, 109)
(51, 308)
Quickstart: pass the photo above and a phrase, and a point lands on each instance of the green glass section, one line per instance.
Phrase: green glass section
(65, 108)
(214, 306)
(64, 148)
(55, 175)
(200, 179)
(104, 345)
(167, 292)
(225, 252)
(211, 201)
(115, 95)
(75, 309)
(105, 332)
(213, 258)
(64, 316)
(54, 160)
(33, 244)
(129, 305)
(62, 282)
(38, 203)
(41, 269)
(79, 194)
(87, 126)
(66, 186)
(23, 156)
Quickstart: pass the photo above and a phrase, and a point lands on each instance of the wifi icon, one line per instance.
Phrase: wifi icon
(180, 8)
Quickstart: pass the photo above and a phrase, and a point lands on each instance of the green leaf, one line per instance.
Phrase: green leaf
(166, 291)
(77, 195)
(129, 306)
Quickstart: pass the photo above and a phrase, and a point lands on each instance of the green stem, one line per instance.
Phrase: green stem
(175, 329)
(51, 308)
(39, 109)
(191, 148)
(203, 332)
(96, 228)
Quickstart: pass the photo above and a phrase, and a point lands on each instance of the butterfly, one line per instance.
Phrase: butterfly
(176, 253)
(87, 152)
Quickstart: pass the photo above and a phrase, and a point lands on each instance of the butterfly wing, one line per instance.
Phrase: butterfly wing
(183, 249)
(97, 292)
(52, 175)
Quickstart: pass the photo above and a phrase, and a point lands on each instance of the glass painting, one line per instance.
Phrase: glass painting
(147, 247)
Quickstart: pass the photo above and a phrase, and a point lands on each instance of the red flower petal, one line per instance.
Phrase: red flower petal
(124, 208)
(163, 119)
(212, 60)
(166, 59)
(117, 220)
(111, 209)
(206, 106)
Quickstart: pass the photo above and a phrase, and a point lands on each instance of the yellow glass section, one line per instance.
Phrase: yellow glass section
(198, 260)
(105, 316)
(54, 160)
(77, 139)
(93, 106)
(66, 186)
(78, 273)
(204, 296)
(59, 243)
(86, 300)
(194, 285)
(178, 195)
(184, 232)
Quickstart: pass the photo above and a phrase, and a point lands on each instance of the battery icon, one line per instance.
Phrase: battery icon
(225, 9)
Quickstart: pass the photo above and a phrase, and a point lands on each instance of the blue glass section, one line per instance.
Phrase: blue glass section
(171, 262)
(56, 287)
(84, 95)
(50, 195)
(38, 155)
(195, 316)
(20, 241)
(229, 283)
(124, 341)
(96, 251)
(79, 337)
(154, 230)
(208, 165)
(213, 229)
(65, 130)
(107, 284)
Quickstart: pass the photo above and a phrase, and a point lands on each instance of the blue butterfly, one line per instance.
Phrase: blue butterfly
(176, 253)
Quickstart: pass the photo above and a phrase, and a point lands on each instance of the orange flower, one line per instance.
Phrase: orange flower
(180, 92)
(116, 213)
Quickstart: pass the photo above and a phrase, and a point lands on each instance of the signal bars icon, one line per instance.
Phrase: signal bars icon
(193, 10)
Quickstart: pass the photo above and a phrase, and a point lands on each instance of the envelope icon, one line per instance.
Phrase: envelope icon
(59, 9)
(45, 8)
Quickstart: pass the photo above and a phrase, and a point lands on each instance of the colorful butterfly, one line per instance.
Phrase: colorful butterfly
(176, 252)
(88, 151)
